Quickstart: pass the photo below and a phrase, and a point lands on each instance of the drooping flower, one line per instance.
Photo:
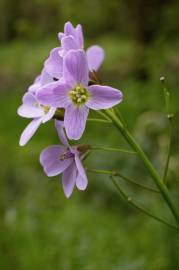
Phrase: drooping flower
(57, 159)
(76, 96)
(39, 113)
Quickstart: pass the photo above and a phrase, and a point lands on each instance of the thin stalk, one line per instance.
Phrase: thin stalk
(170, 115)
(113, 149)
(139, 208)
(149, 166)
(127, 179)
(169, 152)
(103, 115)
(99, 120)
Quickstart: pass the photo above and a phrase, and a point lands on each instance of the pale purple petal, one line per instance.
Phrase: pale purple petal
(54, 95)
(61, 132)
(29, 99)
(75, 67)
(69, 29)
(29, 111)
(48, 115)
(45, 78)
(60, 36)
(30, 107)
(75, 121)
(79, 34)
(51, 162)
(81, 180)
(95, 57)
(69, 43)
(36, 84)
(103, 97)
(69, 179)
(29, 131)
(54, 64)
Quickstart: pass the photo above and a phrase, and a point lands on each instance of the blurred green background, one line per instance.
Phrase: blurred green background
(95, 229)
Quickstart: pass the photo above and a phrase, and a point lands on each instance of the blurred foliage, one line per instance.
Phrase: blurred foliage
(39, 227)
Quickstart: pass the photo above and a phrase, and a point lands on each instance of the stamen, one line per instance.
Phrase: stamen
(79, 95)
(66, 155)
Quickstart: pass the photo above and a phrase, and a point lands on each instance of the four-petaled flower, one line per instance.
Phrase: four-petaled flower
(57, 159)
(75, 96)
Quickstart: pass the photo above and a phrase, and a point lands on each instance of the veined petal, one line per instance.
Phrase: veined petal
(69, 43)
(81, 180)
(54, 95)
(51, 162)
(75, 121)
(61, 133)
(29, 131)
(95, 57)
(54, 64)
(103, 97)
(69, 179)
(75, 67)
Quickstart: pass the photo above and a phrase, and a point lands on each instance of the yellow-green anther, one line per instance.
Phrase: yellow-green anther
(79, 95)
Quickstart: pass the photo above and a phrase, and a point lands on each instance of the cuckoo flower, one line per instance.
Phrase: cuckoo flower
(57, 159)
(76, 96)
(32, 109)
(72, 39)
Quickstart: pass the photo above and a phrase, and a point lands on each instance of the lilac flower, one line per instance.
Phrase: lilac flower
(72, 39)
(76, 96)
(57, 159)
(32, 109)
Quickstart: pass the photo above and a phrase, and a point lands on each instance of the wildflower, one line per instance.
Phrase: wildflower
(32, 109)
(75, 96)
(57, 159)
(72, 39)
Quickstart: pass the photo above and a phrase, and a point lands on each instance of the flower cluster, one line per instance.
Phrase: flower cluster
(67, 84)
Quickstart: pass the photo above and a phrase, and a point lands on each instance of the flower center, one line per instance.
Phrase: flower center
(66, 155)
(79, 95)
(45, 108)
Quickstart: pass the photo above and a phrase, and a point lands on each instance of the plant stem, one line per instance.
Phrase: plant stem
(113, 149)
(163, 189)
(169, 152)
(127, 179)
(135, 205)
(99, 120)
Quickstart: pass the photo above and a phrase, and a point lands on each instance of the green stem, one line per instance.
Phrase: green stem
(127, 179)
(169, 152)
(103, 115)
(146, 161)
(113, 149)
(99, 120)
(135, 205)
